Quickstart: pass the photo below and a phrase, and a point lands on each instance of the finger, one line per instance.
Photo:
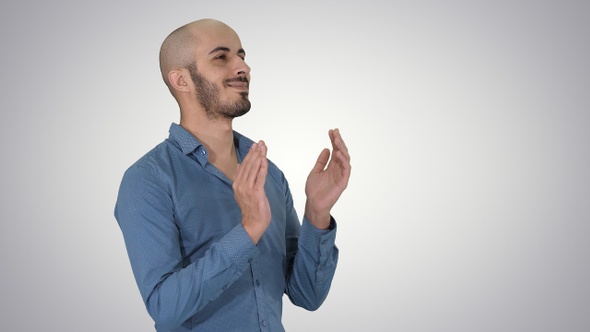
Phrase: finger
(250, 154)
(261, 174)
(344, 163)
(263, 148)
(249, 165)
(322, 161)
(240, 168)
(338, 143)
(256, 159)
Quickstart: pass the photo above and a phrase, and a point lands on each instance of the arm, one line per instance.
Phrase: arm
(172, 290)
(315, 262)
(314, 257)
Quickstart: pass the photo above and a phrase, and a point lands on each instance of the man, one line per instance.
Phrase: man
(208, 221)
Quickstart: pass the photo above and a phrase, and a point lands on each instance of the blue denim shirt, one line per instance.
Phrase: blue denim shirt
(195, 265)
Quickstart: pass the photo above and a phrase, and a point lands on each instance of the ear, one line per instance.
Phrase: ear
(180, 80)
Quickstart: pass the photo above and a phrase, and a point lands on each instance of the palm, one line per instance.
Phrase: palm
(324, 186)
(328, 178)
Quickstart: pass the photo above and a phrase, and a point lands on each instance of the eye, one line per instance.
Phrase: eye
(220, 57)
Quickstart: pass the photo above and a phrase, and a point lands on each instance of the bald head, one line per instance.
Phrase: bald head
(178, 49)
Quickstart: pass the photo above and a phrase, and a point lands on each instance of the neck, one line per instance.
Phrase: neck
(217, 137)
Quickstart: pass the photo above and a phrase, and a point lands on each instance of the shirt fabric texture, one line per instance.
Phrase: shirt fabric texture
(196, 267)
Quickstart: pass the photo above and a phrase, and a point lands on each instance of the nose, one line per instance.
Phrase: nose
(241, 67)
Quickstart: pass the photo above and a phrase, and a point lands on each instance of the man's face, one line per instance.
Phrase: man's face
(220, 74)
(209, 96)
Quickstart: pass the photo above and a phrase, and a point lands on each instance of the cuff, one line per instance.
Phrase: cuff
(312, 237)
(238, 246)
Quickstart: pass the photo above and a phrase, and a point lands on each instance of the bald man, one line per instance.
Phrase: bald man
(209, 225)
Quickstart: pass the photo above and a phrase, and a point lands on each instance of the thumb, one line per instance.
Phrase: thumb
(322, 160)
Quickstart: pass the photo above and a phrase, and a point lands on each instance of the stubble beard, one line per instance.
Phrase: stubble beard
(208, 96)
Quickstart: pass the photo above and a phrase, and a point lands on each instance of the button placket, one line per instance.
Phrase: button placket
(260, 297)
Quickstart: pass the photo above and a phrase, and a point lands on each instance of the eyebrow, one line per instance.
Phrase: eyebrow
(226, 49)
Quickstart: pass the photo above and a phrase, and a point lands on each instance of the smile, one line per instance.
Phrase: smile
(238, 85)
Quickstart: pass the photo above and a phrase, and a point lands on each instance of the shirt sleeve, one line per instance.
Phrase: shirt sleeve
(312, 257)
(171, 291)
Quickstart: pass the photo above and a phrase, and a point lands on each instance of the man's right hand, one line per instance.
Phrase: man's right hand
(249, 191)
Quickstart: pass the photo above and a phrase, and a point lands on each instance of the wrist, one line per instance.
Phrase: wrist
(320, 219)
(254, 230)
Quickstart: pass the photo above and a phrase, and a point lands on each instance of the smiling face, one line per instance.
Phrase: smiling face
(208, 94)
(220, 74)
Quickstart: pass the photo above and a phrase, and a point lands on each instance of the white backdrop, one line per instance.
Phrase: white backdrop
(468, 123)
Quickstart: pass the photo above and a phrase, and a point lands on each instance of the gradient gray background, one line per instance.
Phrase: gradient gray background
(468, 123)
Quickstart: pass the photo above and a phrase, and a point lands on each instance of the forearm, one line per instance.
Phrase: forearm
(173, 296)
(320, 218)
(313, 267)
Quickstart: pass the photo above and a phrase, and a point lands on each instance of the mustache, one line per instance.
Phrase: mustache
(237, 79)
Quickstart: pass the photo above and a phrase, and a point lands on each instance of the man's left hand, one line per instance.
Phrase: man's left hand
(326, 181)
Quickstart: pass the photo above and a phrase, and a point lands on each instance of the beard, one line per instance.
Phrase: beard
(208, 96)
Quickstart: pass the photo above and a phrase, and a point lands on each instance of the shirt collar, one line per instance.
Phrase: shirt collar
(185, 140)
(188, 143)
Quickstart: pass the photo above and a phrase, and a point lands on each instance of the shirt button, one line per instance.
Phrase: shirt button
(203, 152)
(264, 323)
(257, 282)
